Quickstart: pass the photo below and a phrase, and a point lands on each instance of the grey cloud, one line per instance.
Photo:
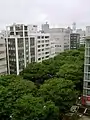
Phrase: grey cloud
(61, 12)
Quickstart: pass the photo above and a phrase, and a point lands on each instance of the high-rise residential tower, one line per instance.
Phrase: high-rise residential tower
(25, 45)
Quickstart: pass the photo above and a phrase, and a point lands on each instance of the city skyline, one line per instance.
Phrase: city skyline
(57, 13)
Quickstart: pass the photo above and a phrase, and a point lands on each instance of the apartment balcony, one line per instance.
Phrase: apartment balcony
(2, 48)
(3, 62)
(3, 55)
(3, 69)
(2, 41)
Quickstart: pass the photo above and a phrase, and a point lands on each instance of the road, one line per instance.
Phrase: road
(85, 118)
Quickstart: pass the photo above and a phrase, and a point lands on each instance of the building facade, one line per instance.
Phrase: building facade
(61, 39)
(3, 63)
(26, 45)
(86, 86)
(87, 30)
(17, 48)
(74, 41)
(82, 36)
(42, 46)
(45, 28)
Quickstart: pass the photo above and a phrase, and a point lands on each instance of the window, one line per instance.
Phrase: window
(42, 57)
(38, 46)
(42, 49)
(39, 50)
(38, 37)
(88, 84)
(38, 41)
(46, 52)
(42, 37)
(1, 52)
(32, 41)
(42, 45)
(42, 41)
(33, 59)
(46, 40)
(47, 44)
(39, 58)
(88, 92)
(46, 36)
(88, 68)
(47, 56)
(32, 50)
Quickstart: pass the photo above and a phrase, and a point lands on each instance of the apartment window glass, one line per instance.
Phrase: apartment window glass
(11, 28)
(32, 41)
(47, 44)
(39, 50)
(42, 41)
(88, 68)
(47, 56)
(42, 37)
(88, 84)
(88, 92)
(39, 58)
(42, 45)
(46, 36)
(38, 37)
(11, 33)
(46, 40)
(32, 50)
(84, 92)
(33, 59)
(42, 49)
(87, 60)
(1, 52)
(38, 46)
(1, 45)
(38, 41)
(46, 52)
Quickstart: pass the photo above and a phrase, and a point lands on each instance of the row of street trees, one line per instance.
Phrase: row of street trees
(43, 91)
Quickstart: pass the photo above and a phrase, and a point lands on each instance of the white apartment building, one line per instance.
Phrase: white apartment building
(42, 46)
(3, 64)
(82, 36)
(87, 30)
(26, 45)
(61, 39)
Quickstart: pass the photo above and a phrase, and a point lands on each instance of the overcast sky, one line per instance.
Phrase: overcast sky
(57, 12)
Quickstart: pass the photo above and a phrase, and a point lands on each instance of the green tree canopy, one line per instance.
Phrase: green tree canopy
(10, 91)
(60, 91)
(34, 108)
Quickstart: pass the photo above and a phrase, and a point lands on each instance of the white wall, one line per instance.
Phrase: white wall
(3, 66)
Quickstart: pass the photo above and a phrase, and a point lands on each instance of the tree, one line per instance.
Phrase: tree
(60, 91)
(34, 108)
(11, 89)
